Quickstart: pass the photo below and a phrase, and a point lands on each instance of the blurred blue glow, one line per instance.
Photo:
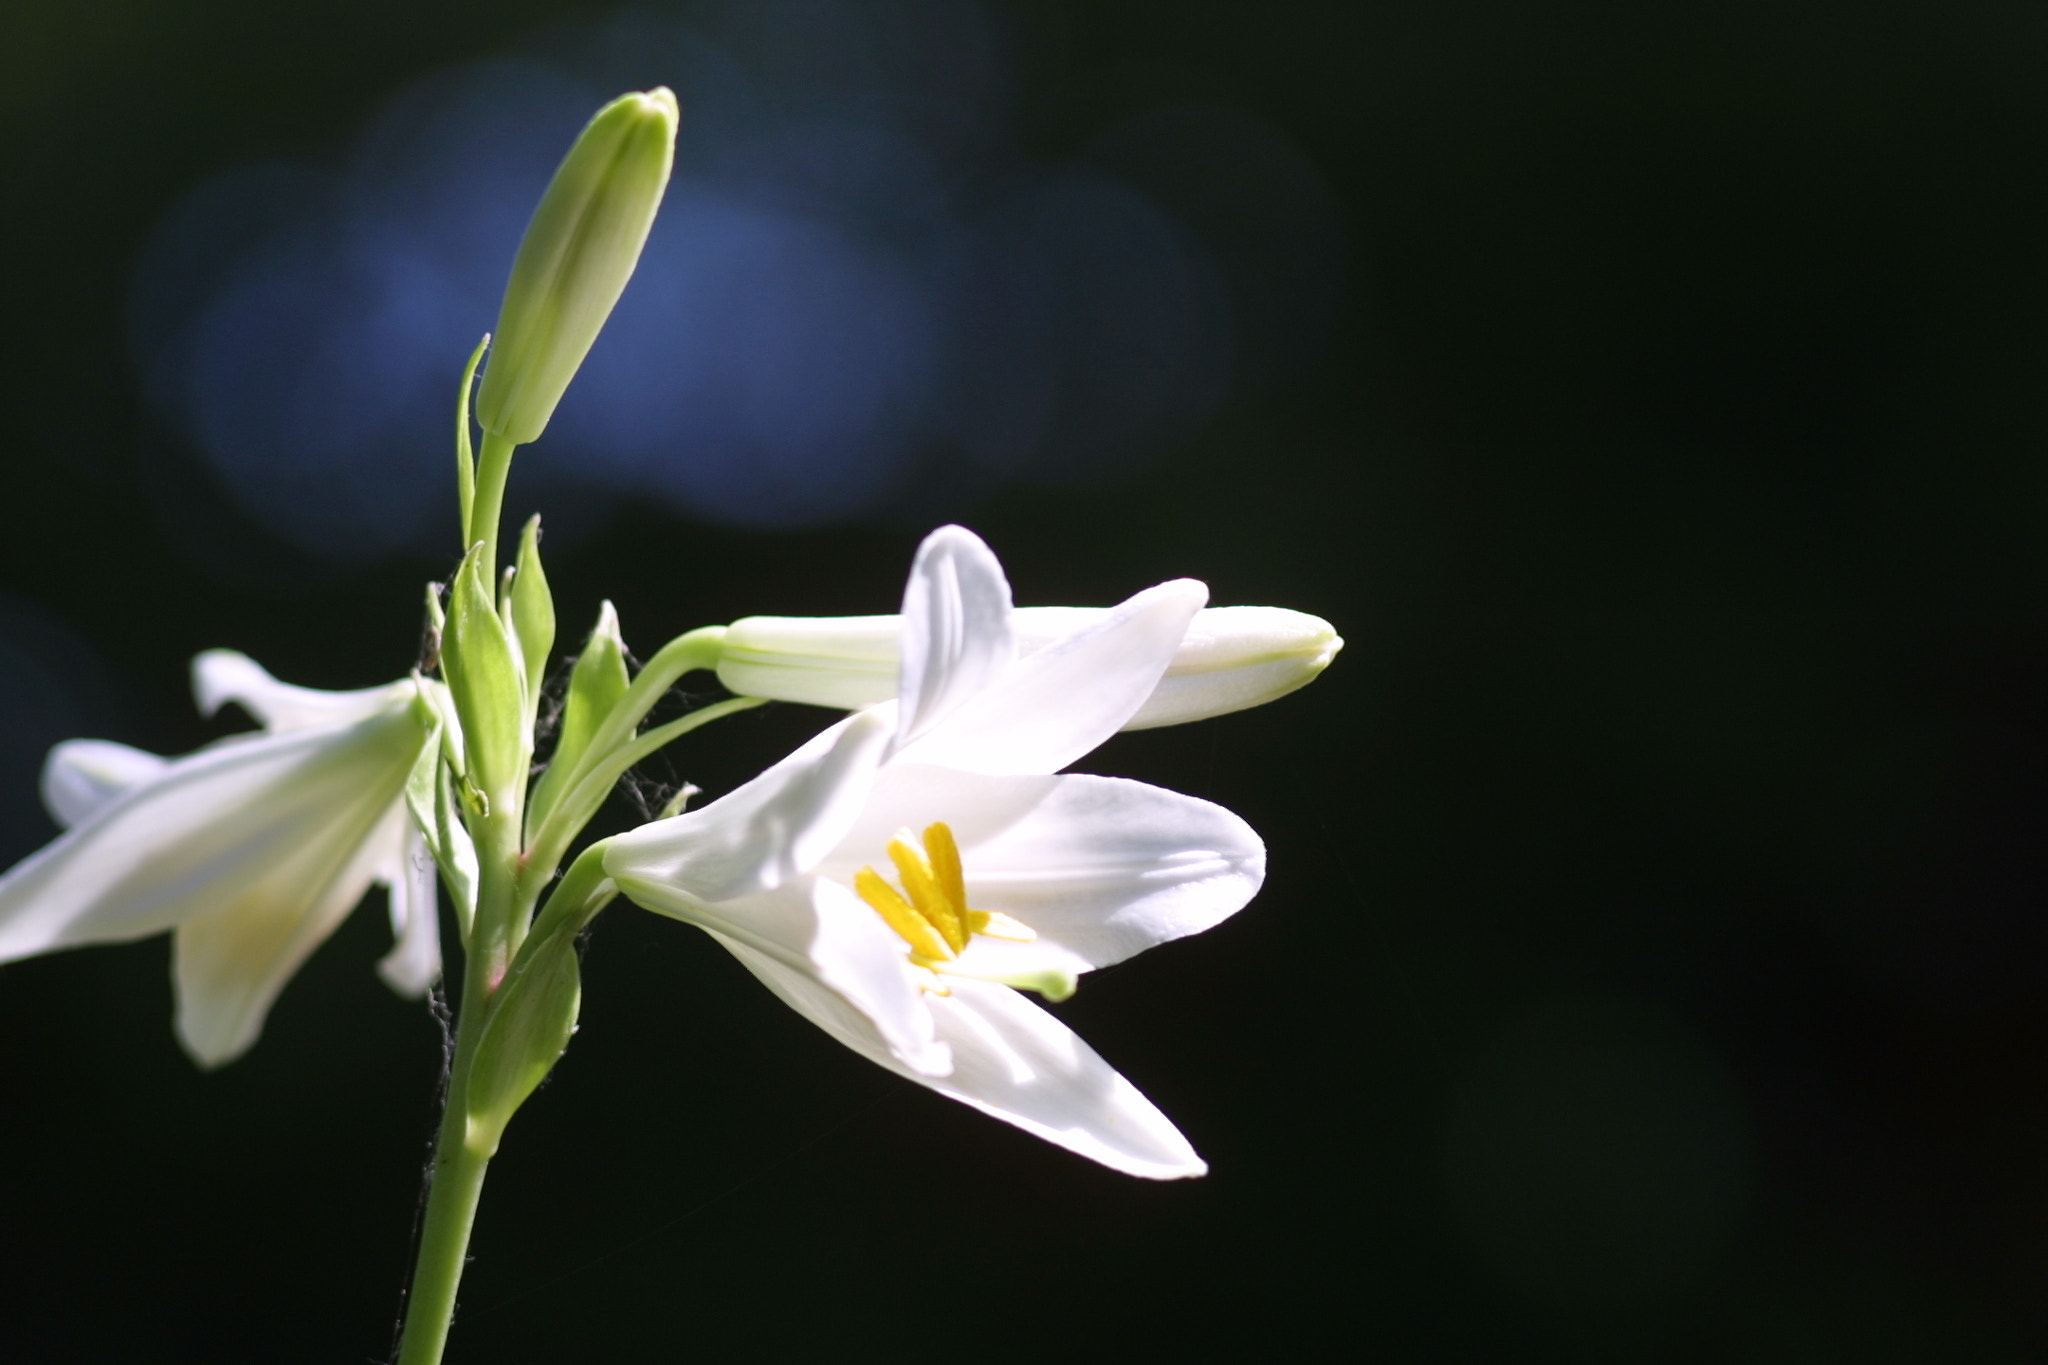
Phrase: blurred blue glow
(761, 370)
(855, 281)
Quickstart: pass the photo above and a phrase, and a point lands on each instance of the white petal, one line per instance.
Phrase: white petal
(762, 834)
(250, 821)
(84, 776)
(220, 676)
(1099, 868)
(415, 957)
(1015, 1062)
(831, 959)
(1050, 708)
(229, 961)
(956, 628)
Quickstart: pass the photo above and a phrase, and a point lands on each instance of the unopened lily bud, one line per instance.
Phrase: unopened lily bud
(578, 253)
(1232, 658)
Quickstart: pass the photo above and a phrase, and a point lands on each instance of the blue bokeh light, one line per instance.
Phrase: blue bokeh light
(857, 280)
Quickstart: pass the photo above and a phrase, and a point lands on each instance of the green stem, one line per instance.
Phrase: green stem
(458, 1172)
(699, 648)
(590, 784)
(583, 891)
(454, 1189)
(487, 508)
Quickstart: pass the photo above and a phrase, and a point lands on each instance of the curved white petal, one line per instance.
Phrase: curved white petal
(84, 776)
(1099, 868)
(956, 629)
(1014, 1061)
(762, 834)
(229, 961)
(252, 820)
(1050, 708)
(415, 957)
(829, 958)
(220, 676)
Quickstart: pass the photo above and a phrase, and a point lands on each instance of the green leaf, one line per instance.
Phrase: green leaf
(487, 679)
(533, 610)
(595, 687)
(532, 1018)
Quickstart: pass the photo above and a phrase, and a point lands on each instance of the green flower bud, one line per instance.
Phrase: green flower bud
(578, 253)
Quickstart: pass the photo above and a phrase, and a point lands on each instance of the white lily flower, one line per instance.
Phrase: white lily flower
(251, 849)
(1231, 659)
(1004, 874)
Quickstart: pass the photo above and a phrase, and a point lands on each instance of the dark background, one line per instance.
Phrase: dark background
(1651, 966)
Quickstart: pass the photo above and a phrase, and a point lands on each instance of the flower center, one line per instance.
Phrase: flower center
(931, 913)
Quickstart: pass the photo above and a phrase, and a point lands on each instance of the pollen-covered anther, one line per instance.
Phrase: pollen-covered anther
(931, 912)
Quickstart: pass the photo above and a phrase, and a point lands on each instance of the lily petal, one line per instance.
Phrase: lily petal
(256, 818)
(831, 960)
(415, 957)
(956, 628)
(84, 776)
(762, 834)
(220, 676)
(1050, 708)
(1100, 868)
(230, 961)
(1013, 1061)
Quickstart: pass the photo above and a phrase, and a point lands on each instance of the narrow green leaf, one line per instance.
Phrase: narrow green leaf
(465, 459)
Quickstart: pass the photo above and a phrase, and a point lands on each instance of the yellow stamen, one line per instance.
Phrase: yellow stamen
(923, 937)
(922, 884)
(931, 913)
(944, 860)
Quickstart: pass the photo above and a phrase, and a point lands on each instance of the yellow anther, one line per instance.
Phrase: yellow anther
(922, 886)
(943, 857)
(924, 939)
(930, 913)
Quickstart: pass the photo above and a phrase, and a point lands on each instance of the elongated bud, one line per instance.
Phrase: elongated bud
(487, 681)
(578, 253)
(1232, 658)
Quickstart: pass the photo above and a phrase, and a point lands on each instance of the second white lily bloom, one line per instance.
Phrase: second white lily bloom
(251, 850)
(895, 878)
